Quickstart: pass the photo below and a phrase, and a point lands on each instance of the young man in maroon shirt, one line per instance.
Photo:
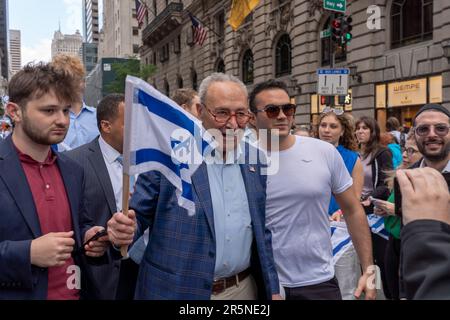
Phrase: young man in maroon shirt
(42, 219)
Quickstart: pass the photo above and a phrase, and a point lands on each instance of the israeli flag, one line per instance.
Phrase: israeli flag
(340, 239)
(159, 135)
(376, 224)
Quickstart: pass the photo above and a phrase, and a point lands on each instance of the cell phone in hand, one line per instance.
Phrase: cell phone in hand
(375, 201)
(398, 198)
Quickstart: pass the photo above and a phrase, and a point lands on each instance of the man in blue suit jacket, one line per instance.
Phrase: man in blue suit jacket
(224, 250)
(42, 218)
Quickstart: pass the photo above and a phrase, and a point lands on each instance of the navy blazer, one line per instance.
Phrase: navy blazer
(19, 225)
(179, 261)
(100, 206)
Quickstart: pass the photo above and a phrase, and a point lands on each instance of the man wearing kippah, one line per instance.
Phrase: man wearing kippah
(431, 129)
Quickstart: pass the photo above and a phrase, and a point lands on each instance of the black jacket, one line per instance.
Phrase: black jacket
(425, 260)
(381, 165)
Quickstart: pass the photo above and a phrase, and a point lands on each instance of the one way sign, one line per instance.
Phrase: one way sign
(335, 5)
(333, 82)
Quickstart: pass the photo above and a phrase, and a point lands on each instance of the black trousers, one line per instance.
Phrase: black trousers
(127, 280)
(379, 245)
(328, 290)
(392, 267)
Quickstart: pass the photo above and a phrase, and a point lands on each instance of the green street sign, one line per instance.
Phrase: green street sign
(325, 33)
(335, 5)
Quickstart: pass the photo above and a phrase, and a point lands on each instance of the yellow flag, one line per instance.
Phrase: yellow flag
(240, 9)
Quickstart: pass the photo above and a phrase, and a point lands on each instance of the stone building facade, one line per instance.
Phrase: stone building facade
(120, 36)
(398, 62)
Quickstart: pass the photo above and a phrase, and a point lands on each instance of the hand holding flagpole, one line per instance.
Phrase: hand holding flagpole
(125, 205)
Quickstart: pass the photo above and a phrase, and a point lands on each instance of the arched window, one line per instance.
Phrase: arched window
(340, 50)
(411, 22)
(194, 80)
(180, 82)
(220, 66)
(283, 57)
(247, 67)
(167, 87)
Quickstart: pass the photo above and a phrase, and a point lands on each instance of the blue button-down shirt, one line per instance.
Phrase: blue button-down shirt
(232, 221)
(83, 128)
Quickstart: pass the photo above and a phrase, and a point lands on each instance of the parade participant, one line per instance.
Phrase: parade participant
(188, 99)
(393, 223)
(224, 251)
(43, 224)
(101, 159)
(298, 198)
(83, 119)
(377, 162)
(336, 128)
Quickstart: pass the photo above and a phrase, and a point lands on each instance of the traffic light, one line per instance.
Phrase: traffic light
(336, 30)
(346, 29)
(326, 100)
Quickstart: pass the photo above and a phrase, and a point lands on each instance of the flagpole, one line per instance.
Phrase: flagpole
(125, 205)
(204, 25)
(129, 96)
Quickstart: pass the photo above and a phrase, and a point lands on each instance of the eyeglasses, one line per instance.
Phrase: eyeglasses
(273, 111)
(337, 111)
(410, 151)
(223, 116)
(441, 129)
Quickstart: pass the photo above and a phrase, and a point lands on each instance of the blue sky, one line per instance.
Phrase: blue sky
(38, 20)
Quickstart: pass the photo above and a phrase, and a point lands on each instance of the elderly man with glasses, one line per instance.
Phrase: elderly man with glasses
(224, 251)
(298, 197)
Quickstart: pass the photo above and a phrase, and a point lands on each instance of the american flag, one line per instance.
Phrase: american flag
(200, 32)
(141, 12)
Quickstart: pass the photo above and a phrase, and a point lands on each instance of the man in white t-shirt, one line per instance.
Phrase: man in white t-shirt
(298, 197)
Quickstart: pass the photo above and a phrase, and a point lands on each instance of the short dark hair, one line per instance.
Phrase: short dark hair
(392, 124)
(184, 96)
(36, 80)
(431, 107)
(108, 108)
(267, 85)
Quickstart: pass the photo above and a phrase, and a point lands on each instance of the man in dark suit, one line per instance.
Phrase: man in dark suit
(43, 224)
(224, 250)
(102, 162)
(425, 247)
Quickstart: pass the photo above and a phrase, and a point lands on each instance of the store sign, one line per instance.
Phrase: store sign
(435, 89)
(381, 96)
(407, 93)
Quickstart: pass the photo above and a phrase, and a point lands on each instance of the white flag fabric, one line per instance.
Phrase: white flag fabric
(159, 135)
(376, 224)
(340, 239)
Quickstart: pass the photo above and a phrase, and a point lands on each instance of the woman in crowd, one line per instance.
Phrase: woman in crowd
(377, 162)
(336, 128)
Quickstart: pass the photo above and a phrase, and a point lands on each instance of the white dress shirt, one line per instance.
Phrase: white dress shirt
(115, 170)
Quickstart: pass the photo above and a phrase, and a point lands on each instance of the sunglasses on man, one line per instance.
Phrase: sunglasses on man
(273, 111)
(441, 129)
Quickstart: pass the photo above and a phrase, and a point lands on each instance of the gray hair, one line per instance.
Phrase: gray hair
(218, 77)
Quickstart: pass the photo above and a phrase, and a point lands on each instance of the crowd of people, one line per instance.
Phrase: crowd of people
(252, 237)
